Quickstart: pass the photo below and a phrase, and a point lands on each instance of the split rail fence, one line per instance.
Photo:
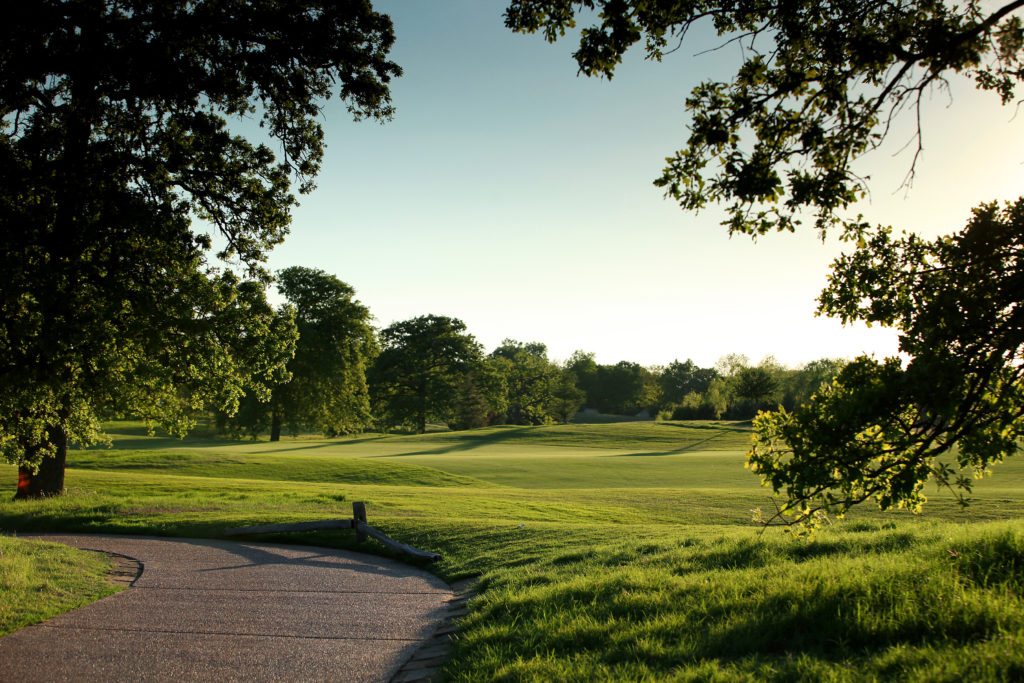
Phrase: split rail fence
(358, 523)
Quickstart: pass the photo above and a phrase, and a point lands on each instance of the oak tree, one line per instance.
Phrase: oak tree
(325, 389)
(819, 85)
(882, 429)
(114, 137)
(422, 366)
(529, 380)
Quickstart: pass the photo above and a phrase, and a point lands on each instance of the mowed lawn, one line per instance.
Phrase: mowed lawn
(604, 552)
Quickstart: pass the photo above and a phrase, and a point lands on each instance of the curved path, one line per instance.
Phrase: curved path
(220, 610)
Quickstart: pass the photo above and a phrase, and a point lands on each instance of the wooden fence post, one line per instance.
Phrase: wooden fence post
(359, 517)
(358, 523)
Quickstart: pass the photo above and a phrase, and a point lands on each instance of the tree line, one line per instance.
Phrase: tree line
(345, 377)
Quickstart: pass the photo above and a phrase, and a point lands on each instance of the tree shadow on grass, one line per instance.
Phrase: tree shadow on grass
(675, 451)
(737, 426)
(201, 533)
(468, 442)
(148, 443)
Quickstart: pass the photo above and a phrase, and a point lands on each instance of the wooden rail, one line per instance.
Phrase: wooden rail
(358, 522)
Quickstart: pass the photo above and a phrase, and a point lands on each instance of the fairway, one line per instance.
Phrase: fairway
(604, 551)
(626, 455)
(685, 456)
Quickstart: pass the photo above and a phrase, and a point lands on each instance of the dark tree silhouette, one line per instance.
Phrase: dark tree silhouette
(113, 137)
(422, 365)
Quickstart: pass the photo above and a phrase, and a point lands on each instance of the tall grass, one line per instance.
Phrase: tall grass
(924, 602)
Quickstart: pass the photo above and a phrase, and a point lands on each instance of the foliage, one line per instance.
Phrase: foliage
(758, 384)
(680, 379)
(820, 84)
(625, 388)
(327, 392)
(879, 429)
(695, 406)
(422, 363)
(583, 368)
(530, 382)
(482, 396)
(744, 389)
(566, 397)
(113, 137)
(798, 387)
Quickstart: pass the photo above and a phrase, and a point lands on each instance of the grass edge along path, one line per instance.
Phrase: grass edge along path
(39, 580)
(926, 601)
(627, 584)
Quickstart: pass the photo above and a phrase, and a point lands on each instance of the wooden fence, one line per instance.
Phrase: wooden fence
(358, 522)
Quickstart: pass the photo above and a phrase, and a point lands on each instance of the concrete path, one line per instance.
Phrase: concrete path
(230, 611)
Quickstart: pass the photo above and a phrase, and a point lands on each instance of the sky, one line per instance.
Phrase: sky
(516, 195)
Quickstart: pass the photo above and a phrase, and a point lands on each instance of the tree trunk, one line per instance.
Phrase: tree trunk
(48, 480)
(275, 426)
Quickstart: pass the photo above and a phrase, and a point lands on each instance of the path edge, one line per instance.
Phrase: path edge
(423, 665)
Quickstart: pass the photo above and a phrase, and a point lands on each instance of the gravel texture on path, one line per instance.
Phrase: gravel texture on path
(202, 609)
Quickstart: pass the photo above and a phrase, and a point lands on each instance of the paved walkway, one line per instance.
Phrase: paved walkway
(229, 611)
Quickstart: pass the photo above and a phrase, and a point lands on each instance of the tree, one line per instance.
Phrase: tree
(113, 137)
(482, 397)
(821, 84)
(757, 384)
(254, 413)
(625, 388)
(529, 379)
(566, 397)
(327, 389)
(801, 384)
(878, 430)
(680, 379)
(421, 366)
(583, 368)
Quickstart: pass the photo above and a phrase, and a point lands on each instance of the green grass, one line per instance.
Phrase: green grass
(605, 551)
(39, 580)
(296, 467)
(734, 605)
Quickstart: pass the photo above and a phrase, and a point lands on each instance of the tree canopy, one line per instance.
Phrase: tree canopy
(325, 388)
(422, 366)
(529, 380)
(114, 137)
(883, 426)
(336, 346)
(680, 379)
(820, 84)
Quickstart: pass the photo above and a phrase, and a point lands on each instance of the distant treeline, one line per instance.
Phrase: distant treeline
(347, 377)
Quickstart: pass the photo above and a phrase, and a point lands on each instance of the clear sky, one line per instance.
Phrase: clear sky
(517, 196)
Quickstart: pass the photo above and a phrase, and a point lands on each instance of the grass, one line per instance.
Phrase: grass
(604, 551)
(39, 580)
(863, 605)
